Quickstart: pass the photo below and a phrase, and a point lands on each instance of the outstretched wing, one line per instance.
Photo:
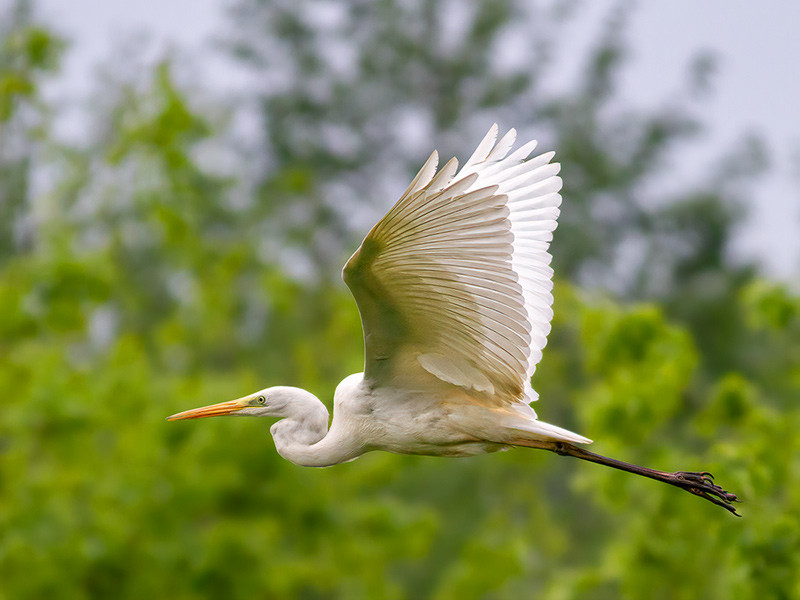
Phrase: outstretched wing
(455, 279)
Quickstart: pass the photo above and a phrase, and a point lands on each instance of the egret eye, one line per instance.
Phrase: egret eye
(261, 400)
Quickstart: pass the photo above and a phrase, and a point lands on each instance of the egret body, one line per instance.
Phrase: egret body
(453, 286)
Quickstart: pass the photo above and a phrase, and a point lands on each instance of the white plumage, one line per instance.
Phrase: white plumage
(454, 289)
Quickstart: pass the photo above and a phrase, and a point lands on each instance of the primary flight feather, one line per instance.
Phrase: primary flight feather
(454, 287)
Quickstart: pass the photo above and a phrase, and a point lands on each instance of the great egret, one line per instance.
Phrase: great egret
(454, 290)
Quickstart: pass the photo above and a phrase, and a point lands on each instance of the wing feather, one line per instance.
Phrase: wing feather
(456, 277)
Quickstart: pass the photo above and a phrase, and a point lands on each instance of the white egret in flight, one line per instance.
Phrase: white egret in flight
(454, 290)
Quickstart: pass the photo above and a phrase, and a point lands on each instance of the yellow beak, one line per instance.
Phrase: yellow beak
(215, 410)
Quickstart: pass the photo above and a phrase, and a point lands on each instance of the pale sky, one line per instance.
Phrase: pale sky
(757, 87)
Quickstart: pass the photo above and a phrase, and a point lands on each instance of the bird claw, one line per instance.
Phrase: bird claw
(701, 483)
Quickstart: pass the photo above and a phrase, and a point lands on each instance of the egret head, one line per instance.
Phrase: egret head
(279, 401)
(259, 404)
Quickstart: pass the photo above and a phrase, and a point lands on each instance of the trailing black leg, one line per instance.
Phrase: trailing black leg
(699, 483)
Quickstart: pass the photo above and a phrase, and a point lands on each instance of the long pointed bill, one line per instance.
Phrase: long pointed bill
(215, 410)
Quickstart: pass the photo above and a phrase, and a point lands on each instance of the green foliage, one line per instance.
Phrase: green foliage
(147, 288)
(771, 306)
(644, 365)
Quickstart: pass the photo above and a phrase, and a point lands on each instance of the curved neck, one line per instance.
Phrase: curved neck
(302, 437)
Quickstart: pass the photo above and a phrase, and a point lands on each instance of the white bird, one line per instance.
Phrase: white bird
(453, 286)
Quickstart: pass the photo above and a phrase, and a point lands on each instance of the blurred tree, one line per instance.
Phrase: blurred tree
(28, 52)
(353, 93)
(151, 286)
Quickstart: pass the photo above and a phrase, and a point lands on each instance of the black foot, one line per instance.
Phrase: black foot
(702, 484)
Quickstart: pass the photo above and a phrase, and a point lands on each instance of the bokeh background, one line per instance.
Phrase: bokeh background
(171, 235)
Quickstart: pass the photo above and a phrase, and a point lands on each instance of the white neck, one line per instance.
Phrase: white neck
(302, 437)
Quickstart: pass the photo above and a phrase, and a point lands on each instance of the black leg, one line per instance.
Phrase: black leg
(698, 483)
